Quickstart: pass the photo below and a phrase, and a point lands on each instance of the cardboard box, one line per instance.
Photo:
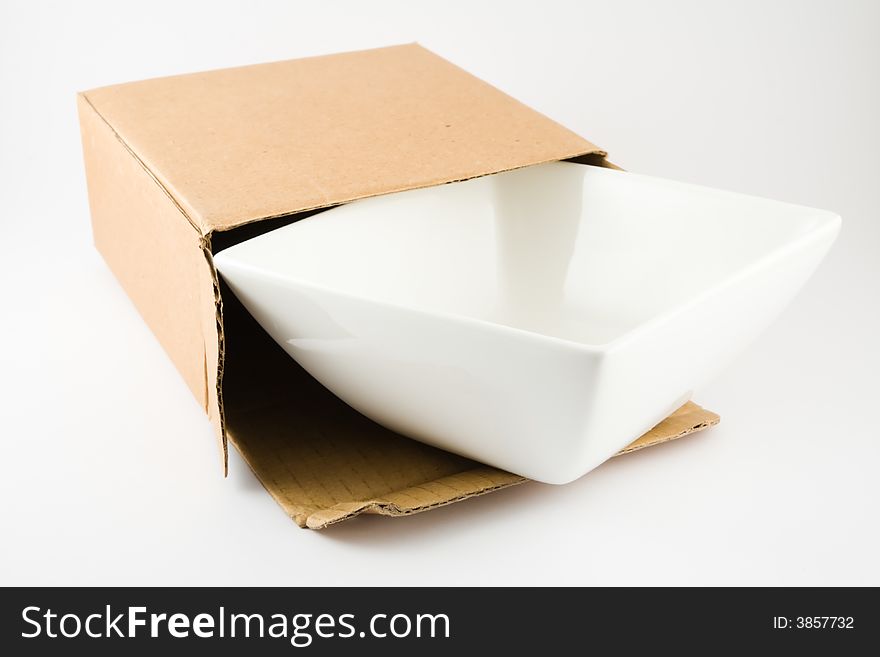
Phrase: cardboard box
(180, 167)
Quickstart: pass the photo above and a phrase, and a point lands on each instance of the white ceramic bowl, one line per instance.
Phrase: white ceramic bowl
(537, 320)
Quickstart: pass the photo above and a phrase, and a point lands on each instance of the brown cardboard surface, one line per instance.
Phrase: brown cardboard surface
(157, 256)
(242, 144)
(179, 166)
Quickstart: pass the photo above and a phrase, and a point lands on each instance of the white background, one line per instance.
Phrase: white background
(109, 472)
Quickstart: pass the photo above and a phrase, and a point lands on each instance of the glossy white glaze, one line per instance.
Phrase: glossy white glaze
(537, 320)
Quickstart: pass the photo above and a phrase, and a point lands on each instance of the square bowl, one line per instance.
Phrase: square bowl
(537, 320)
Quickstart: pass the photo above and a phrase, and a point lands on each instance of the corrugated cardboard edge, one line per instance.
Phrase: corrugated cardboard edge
(480, 480)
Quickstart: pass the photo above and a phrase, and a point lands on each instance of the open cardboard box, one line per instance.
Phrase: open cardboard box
(179, 168)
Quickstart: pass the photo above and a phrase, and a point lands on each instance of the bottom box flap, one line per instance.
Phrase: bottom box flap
(320, 479)
(324, 462)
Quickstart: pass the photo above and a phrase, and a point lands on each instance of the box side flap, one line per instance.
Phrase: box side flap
(155, 253)
(242, 144)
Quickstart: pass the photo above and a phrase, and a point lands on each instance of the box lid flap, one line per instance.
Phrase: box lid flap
(237, 145)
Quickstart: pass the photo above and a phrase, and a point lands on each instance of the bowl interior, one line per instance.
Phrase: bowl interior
(576, 252)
